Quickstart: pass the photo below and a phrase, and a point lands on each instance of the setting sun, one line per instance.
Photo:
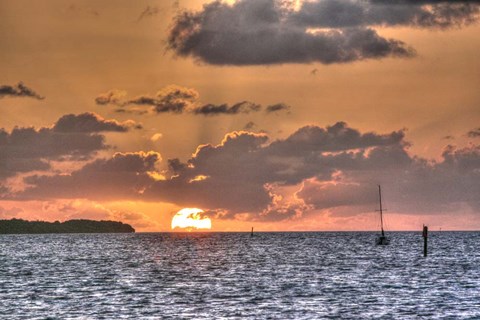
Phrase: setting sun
(191, 219)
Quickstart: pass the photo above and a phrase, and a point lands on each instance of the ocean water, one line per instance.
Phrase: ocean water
(337, 275)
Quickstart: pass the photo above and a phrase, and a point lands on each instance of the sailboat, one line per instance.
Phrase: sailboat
(382, 239)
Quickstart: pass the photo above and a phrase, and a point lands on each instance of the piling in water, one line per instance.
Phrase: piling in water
(425, 237)
(251, 235)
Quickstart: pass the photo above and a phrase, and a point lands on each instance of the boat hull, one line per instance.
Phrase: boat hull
(382, 241)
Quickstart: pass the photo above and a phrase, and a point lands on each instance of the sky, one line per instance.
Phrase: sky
(274, 114)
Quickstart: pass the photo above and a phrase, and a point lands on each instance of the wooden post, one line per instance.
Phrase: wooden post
(425, 237)
(251, 235)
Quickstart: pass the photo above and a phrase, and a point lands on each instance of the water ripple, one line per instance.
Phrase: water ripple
(233, 275)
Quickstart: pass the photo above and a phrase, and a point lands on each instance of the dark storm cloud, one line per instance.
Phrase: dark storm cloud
(263, 32)
(475, 133)
(240, 107)
(19, 90)
(72, 137)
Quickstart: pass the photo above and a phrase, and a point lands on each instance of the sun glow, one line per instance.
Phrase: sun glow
(191, 219)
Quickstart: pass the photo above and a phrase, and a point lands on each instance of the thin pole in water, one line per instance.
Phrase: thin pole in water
(381, 209)
(425, 237)
(251, 235)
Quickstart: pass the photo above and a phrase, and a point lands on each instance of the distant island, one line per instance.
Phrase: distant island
(19, 226)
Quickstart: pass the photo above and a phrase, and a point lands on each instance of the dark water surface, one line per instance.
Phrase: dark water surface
(231, 275)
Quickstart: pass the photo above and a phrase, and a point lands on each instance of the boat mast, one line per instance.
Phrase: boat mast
(381, 209)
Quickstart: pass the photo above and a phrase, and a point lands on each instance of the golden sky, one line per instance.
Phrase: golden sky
(279, 117)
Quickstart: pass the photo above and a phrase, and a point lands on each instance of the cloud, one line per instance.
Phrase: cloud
(28, 149)
(323, 195)
(351, 14)
(157, 136)
(136, 111)
(240, 107)
(277, 107)
(19, 90)
(243, 166)
(285, 205)
(276, 44)
(249, 125)
(124, 176)
(335, 138)
(72, 137)
(474, 133)
(246, 176)
(265, 32)
(178, 100)
(423, 2)
(417, 187)
(149, 12)
(174, 99)
(113, 96)
(9, 213)
(176, 166)
(89, 122)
